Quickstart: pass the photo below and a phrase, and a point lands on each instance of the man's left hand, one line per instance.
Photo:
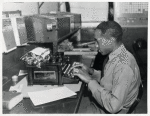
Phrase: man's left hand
(83, 75)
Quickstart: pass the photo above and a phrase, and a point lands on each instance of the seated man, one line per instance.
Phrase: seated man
(117, 87)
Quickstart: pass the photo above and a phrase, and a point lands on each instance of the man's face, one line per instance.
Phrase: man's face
(104, 41)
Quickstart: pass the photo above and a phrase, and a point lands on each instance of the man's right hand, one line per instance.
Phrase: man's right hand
(80, 65)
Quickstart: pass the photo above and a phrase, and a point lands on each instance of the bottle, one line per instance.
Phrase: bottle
(14, 79)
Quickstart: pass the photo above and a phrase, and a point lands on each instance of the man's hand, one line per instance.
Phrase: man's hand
(80, 65)
(83, 67)
(82, 74)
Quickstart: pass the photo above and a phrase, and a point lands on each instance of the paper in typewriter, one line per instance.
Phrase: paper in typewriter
(42, 97)
(38, 50)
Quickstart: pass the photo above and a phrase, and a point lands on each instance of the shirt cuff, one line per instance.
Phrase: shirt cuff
(93, 85)
(97, 75)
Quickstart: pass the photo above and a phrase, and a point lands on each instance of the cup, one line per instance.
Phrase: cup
(14, 79)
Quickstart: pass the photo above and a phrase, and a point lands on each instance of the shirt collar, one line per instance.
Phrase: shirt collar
(116, 52)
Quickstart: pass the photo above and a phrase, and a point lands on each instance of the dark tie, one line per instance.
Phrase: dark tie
(104, 63)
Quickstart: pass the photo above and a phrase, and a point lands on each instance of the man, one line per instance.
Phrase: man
(117, 88)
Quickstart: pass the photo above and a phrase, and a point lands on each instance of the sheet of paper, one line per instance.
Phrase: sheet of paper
(38, 50)
(33, 88)
(41, 97)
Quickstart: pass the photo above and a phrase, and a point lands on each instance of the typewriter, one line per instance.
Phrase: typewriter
(55, 71)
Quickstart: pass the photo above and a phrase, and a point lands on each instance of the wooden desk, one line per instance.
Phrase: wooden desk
(67, 105)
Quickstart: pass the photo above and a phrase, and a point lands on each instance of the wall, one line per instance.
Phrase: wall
(92, 12)
(27, 8)
(49, 6)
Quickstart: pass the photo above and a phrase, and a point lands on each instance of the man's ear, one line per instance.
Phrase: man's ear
(112, 39)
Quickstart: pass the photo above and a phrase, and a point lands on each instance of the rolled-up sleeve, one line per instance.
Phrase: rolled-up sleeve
(113, 100)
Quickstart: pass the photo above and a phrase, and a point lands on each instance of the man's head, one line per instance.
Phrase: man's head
(108, 36)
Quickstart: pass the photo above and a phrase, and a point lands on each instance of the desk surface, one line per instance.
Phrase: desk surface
(67, 105)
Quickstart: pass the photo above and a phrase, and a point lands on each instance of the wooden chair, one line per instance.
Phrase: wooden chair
(140, 52)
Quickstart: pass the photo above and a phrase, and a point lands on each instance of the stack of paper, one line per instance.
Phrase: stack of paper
(41, 97)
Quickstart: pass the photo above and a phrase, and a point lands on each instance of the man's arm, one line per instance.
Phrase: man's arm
(113, 100)
(91, 71)
(95, 74)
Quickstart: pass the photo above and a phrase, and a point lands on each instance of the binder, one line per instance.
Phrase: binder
(19, 30)
(11, 99)
(8, 35)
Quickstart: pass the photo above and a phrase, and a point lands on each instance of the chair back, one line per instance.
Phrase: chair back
(139, 44)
